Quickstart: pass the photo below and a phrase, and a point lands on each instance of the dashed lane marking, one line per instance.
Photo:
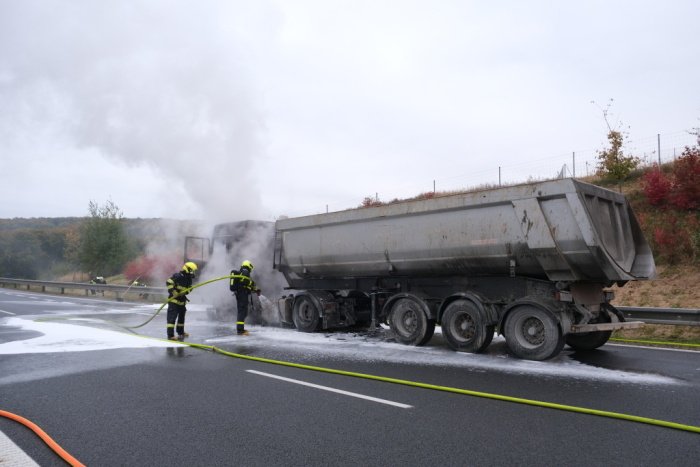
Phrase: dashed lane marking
(338, 391)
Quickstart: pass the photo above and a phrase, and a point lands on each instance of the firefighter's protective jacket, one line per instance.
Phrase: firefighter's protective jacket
(241, 281)
(177, 284)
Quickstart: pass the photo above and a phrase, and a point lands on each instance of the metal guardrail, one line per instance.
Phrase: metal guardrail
(118, 290)
(677, 316)
(674, 316)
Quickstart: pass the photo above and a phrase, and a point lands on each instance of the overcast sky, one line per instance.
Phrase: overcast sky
(228, 110)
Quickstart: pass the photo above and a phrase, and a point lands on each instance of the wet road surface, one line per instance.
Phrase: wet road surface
(110, 397)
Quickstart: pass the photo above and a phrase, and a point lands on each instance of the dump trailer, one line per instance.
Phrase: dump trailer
(532, 262)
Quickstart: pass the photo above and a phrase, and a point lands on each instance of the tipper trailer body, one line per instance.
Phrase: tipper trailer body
(531, 261)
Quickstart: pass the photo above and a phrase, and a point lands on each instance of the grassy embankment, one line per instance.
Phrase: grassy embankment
(678, 266)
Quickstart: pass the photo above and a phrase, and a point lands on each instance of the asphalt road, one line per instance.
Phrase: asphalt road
(177, 405)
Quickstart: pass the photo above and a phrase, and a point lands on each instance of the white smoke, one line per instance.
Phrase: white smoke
(153, 84)
(231, 245)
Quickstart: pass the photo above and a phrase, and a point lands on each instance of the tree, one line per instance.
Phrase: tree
(612, 162)
(151, 269)
(686, 180)
(656, 186)
(71, 252)
(20, 255)
(104, 247)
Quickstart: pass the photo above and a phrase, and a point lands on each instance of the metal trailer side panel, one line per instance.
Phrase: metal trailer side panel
(561, 230)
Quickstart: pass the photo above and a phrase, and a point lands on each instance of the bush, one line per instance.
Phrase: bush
(370, 202)
(656, 186)
(686, 180)
(680, 189)
(673, 235)
(151, 269)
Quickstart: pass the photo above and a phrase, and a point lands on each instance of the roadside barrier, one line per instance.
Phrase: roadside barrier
(667, 343)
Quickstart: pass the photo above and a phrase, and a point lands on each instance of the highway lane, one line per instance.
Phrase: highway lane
(178, 405)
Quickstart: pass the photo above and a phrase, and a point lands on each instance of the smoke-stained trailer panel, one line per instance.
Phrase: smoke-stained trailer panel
(562, 230)
(530, 261)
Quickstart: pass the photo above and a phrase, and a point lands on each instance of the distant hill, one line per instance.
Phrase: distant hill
(37, 223)
(36, 248)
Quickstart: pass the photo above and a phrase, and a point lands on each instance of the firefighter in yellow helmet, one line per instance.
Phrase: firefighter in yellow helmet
(178, 286)
(242, 285)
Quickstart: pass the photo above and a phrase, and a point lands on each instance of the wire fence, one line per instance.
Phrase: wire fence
(658, 149)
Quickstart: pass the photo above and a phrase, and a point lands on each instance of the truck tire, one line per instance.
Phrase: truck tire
(410, 324)
(591, 340)
(305, 315)
(588, 340)
(533, 333)
(464, 328)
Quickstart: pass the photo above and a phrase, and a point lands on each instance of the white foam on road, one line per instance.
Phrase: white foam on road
(60, 337)
(64, 337)
(362, 348)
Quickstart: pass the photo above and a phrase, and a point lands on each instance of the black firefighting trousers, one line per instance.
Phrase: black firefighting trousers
(242, 301)
(176, 314)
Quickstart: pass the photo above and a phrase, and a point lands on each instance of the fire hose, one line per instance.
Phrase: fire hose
(569, 408)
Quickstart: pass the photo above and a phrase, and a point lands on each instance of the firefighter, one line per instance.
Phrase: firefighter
(98, 280)
(242, 285)
(136, 283)
(178, 286)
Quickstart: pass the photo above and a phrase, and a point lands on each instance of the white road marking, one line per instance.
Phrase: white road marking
(12, 455)
(338, 391)
(7, 312)
(640, 346)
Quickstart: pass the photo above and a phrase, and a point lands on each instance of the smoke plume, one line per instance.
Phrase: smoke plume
(144, 83)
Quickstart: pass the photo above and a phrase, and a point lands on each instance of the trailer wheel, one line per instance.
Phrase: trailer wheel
(533, 334)
(410, 323)
(305, 315)
(590, 340)
(464, 329)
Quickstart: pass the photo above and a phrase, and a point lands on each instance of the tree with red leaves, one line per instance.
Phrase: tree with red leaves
(685, 192)
(151, 269)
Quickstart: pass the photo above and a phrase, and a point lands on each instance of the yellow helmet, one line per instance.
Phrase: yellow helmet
(189, 267)
(247, 264)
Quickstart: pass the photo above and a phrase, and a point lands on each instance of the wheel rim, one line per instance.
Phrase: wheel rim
(306, 313)
(532, 331)
(463, 327)
(407, 322)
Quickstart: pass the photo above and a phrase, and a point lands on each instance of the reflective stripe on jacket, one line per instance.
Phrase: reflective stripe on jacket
(242, 280)
(178, 286)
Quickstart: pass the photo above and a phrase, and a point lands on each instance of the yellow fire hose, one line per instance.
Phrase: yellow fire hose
(186, 291)
(549, 405)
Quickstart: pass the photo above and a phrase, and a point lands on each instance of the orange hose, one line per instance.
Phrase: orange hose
(46, 438)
